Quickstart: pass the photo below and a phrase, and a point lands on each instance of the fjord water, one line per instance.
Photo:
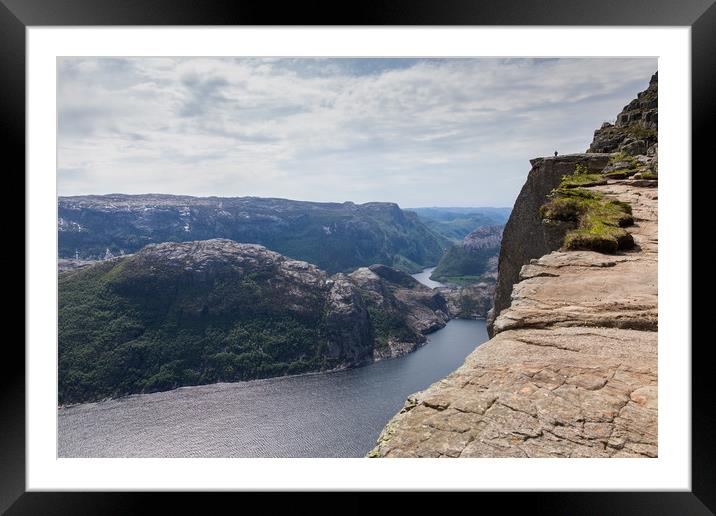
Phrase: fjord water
(424, 278)
(336, 414)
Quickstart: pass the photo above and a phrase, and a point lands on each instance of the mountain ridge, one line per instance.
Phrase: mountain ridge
(334, 236)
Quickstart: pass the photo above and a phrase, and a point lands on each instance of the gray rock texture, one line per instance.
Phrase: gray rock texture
(571, 368)
(404, 310)
(525, 236)
(571, 371)
(636, 126)
(471, 301)
(485, 237)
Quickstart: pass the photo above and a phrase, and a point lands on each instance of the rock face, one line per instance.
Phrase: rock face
(334, 236)
(67, 264)
(571, 368)
(486, 237)
(471, 301)
(402, 309)
(571, 372)
(199, 312)
(525, 236)
(475, 256)
(635, 129)
(470, 270)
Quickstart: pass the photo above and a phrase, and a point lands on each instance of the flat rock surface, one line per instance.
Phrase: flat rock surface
(571, 371)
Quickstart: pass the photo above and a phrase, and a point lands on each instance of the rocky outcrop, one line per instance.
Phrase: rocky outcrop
(571, 368)
(526, 237)
(636, 126)
(68, 264)
(472, 260)
(403, 310)
(485, 237)
(571, 371)
(471, 301)
(348, 324)
(469, 270)
(200, 312)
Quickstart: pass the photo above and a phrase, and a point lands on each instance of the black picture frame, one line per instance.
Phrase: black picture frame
(17, 15)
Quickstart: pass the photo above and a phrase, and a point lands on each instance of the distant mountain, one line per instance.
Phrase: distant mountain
(473, 259)
(334, 236)
(201, 312)
(454, 224)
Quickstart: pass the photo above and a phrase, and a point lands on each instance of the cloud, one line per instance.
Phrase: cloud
(413, 131)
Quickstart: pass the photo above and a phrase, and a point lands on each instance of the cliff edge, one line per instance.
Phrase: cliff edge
(571, 369)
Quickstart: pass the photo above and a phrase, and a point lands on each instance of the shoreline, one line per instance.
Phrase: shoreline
(298, 375)
(255, 380)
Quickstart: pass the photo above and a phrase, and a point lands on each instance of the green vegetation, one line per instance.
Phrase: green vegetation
(583, 180)
(581, 177)
(623, 157)
(463, 265)
(468, 261)
(640, 132)
(621, 173)
(598, 221)
(634, 130)
(337, 237)
(124, 330)
(216, 311)
(467, 306)
(459, 280)
(454, 224)
(649, 175)
(389, 325)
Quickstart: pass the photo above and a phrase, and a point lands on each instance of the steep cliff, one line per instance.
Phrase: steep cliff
(525, 236)
(571, 368)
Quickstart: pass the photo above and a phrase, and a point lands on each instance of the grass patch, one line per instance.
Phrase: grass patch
(461, 280)
(640, 132)
(577, 180)
(601, 238)
(621, 173)
(599, 221)
(623, 157)
(581, 177)
(649, 175)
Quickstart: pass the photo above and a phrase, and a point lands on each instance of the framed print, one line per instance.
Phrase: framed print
(267, 252)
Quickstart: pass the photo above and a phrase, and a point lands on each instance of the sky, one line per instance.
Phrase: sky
(419, 132)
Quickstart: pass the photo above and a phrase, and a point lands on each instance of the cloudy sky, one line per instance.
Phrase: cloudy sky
(420, 132)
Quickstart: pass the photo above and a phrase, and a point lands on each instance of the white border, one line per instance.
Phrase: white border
(671, 470)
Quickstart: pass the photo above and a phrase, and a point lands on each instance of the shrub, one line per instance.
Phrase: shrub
(564, 209)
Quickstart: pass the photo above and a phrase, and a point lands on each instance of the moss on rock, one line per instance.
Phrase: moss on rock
(599, 221)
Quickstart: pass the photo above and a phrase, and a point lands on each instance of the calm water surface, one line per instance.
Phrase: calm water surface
(424, 278)
(325, 415)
